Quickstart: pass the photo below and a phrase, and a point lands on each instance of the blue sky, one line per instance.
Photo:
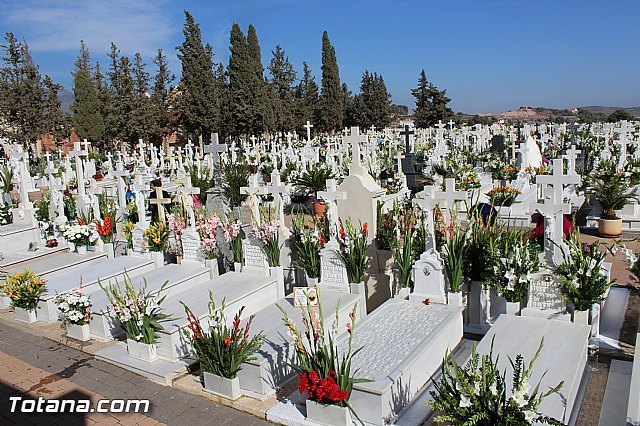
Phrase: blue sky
(491, 56)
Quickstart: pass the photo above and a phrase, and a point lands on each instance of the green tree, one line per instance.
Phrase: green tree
(198, 103)
(331, 104)
(431, 103)
(142, 113)
(23, 104)
(241, 98)
(373, 103)
(88, 121)
(161, 116)
(53, 119)
(264, 117)
(620, 115)
(306, 98)
(282, 78)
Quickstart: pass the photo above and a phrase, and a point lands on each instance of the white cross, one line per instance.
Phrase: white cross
(308, 126)
(278, 189)
(253, 190)
(571, 159)
(426, 200)
(77, 154)
(160, 201)
(557, 179)
(450, 196)
(215, 149)
(86, 144)
(554, 227)
(354, 140)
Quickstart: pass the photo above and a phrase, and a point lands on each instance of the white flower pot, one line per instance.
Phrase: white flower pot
(277, 272)
(81, 249)
(333, 415)
(403, 293)
(142, 351)
(24, 315)
(311, 282)
(454, 299)
(513, 308)
(158, 258)
(212, 265)
(108, 248)
(581, 317)
(221, 386)
(237, 266)
(79, 332)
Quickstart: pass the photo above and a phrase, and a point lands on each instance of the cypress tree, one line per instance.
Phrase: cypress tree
(198, 102)
(306, 103)
(264, 118)
(142, 113)
(53, 119)
(421, 93)
(88, 121)
(241, 97)
(438, 105)
(331, 113)
(160, 97)
(282, 79)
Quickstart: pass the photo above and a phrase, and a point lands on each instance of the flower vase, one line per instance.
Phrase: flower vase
(25, 315)
(328, 414)
(581, 317)
(81, 249)
(311, 282)
(454, 299)
(403, 293)
(108, 248)
(142, 351)
(237, 266)
(221, 386)
(512, 308)
(79, 332)
(277, 272)
(212, 265)
(158, 258)
(72, 246)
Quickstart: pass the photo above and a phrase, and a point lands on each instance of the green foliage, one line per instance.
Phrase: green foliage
(431, 103)
(42, 207)
(203, 179)
(6, 176)
(88, 121)
(234, 176)
(353, 250)
(584, 278)
(306, 98)
(372, 106)
(156, 236)
(408, 239)
(611, 188)
(476, 394)
(384, 229)
(307, 243)
(222, 349)
(282, 78)
(331, 103)
(620, 115)
(137, 312)
(314, 180)
(198, 103)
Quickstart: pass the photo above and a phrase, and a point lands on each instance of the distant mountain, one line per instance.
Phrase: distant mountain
(609, 110)
(66, 99)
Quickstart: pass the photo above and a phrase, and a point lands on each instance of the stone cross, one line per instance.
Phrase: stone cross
(160, 201)
(253, 190)
(558, 179)
(215, 149)
(354, 140)
(426, 200)
(571, 160)
(187, 193)
(86, 144)
(120, 175)
(308, 126)
(331, 197)
(77, 154)
(450, 196)
(553, 227)
(139, 187)
(278, 189)
(407, 134)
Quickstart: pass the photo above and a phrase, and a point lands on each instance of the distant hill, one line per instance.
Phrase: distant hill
(66, 99)
(609, 110)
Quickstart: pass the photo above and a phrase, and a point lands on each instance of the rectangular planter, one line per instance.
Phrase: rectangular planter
(23, 315)
(513, 308)
(333, 415)
(79, 332)
(142, 351)
(581, 317)
(454, 299)
(221, 386)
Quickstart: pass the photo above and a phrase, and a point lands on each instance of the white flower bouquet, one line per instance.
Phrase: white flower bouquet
(74, 307)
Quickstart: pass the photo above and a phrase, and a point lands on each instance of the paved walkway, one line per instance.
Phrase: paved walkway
(32, 366)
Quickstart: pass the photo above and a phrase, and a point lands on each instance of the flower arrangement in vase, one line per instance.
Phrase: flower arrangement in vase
(74, 310)
(24, 289)
(453, 249)
(584, 278)
(307, 243)
(106, 228)
(157, 235)
(503, 196)
(138, 313)
(353, 247)
(408, 241)
(479, 391)
(323, 369)
(80, 235)
(222, 349)
(208, 227)
(233, 238)
(267, 233)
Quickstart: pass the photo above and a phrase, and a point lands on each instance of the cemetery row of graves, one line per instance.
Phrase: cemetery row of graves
(355, 265)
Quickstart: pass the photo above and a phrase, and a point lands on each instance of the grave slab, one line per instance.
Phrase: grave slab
(21, 258)
(563, 357)
(49, 265)
(177, 277)
(62, 280)
(616, 394)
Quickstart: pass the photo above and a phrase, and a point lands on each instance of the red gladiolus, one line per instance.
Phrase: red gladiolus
(227, 341)
(365, 228)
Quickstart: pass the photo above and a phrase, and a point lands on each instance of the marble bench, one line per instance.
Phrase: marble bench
(563, 356)
(263, 376)
(404, 343)
(177, 277)
(60, 281)
(238, 289)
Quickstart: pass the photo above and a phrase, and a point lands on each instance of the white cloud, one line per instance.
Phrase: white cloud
(49, 26)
